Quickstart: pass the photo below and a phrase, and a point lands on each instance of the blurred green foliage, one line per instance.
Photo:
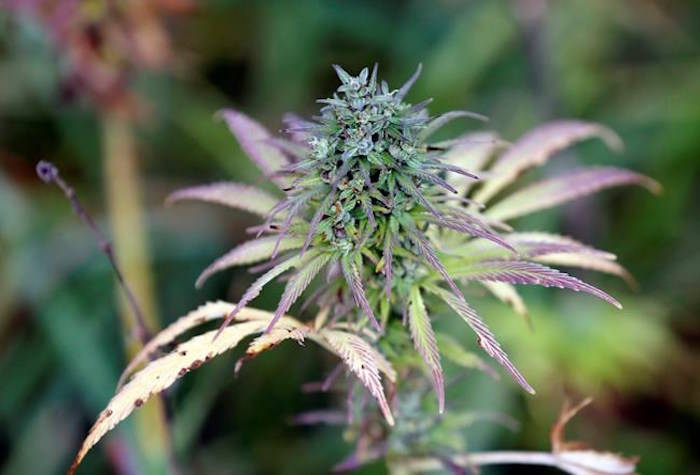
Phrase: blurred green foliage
(634, 66)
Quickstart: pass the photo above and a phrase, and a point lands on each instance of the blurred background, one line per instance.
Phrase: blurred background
(121, 97)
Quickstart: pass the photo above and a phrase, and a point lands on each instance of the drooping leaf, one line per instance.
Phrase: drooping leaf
(253, 140)
(249, 252)
(536, 146)
(360, 358)
(485, 338)
(298, 283)
(234, 195)
(437, 123)
(161, 374)
(354, 281)
(574, 184)
(523, 272)
(205, 313)
(282, 331)
(425, 344)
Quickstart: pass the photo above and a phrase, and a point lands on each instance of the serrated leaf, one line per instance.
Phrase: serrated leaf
(354, 281)
(536, 146)
(235, 195)
(249, 252)
(256, 287)
(297, 284)
(425, 344)
(360, 358)
(159, 375)
(589, 262)
(253, 139)
(528, 273)
(571, 185)
(205, 313)
(282, 331)
(485, 338)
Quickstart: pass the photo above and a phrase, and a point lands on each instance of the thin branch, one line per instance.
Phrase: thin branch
(48, 173)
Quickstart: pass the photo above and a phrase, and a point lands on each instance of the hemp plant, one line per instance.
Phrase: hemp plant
(397, 225)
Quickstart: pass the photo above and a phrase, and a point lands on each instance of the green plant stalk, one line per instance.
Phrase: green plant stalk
(125, 209)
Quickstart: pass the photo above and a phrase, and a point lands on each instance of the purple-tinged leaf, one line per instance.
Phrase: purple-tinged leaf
(433, 178)
(574, 184)
(589, 262)
(318, 215)
(388, 255)
(297, 205)
(298, 128)
(453, 168)
(536, 146)
(440, 121)
(234, 195)
(360, 358)
(528, 273)
(485, 338)
(247, 253)
(297, 284)
(462, 224)
(257, 286)
(470, 152)
(401, 93)
(293, 150)
(427, 251)
(252, 137)
(354, 281)
(411, 188)
(425, 344)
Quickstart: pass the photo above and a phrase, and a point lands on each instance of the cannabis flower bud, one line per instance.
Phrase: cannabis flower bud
(394, 218)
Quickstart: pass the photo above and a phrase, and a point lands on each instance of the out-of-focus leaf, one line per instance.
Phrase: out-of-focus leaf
(455, 352)
(471, 152)
(535, 147)
(576, 459)
(506, 293)
(435, 124)
(424, 341)
(235, 195)
(574, 184)
(253, 138)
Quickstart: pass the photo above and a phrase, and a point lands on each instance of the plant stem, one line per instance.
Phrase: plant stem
(124, 202)
(477, 459)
